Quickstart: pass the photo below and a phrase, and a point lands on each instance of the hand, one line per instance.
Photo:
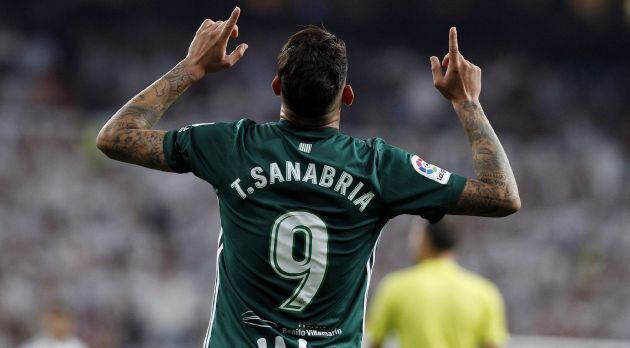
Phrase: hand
(207, 50)
(462, 81)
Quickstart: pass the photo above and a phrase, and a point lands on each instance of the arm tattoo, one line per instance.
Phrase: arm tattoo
(495, 192)
(128, 137)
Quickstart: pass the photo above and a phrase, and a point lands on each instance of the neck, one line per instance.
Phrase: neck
(436, 255)
(328, 120)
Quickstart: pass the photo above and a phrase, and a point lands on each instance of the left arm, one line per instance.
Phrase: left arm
(128, 136)
(495, 192)
(382, 313)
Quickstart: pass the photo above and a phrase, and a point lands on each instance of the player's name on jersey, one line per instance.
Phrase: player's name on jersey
(325, 176)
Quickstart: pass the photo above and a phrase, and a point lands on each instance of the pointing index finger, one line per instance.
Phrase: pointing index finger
(231, 22)
(452, 42)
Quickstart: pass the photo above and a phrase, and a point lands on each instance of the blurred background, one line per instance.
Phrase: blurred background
(130, 253)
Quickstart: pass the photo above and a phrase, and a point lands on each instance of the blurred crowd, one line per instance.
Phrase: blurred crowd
(131, 252)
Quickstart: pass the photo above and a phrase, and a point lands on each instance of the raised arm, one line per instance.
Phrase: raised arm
(494, 193)
(128, 135)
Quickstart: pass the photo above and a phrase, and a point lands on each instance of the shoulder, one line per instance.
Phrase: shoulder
(367, 144)
(222, 125)
(383, 150)
(374, 144)
(244, 123)
(209, 134)
(372, 147)
(398, 278)
(483, 286)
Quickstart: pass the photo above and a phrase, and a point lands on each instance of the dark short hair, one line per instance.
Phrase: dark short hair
(441, 236)
(312, 68)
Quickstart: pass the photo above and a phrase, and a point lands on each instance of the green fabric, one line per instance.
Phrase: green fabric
(301, 212)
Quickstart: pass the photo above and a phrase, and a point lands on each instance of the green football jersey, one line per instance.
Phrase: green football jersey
(301, 213)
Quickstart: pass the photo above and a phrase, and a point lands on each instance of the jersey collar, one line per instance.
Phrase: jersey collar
(438, 263)
(321, 133)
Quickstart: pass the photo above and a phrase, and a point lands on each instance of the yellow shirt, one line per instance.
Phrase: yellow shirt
(438, 304)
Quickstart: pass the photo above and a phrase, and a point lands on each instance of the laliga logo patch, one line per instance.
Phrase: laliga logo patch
(429, 170)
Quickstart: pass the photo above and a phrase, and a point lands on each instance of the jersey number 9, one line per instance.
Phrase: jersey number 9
(291, 232)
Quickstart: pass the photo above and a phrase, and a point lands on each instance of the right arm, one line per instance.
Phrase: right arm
(495, 192)
(129, 135)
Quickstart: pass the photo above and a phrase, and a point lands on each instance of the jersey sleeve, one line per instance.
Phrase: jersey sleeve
(201, 149)
(381, 316)
(410, 185)
(494, 328)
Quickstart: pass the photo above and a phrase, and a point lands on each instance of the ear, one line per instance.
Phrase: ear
(347, 96)
(275, 85)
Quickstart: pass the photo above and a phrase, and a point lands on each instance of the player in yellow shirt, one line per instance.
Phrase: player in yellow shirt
(437, 303)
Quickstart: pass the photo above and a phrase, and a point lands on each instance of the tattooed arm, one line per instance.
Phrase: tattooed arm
(128, 135)
(494, 193)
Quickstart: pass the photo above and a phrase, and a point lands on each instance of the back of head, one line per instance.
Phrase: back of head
(441, 237)
(312, 68)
